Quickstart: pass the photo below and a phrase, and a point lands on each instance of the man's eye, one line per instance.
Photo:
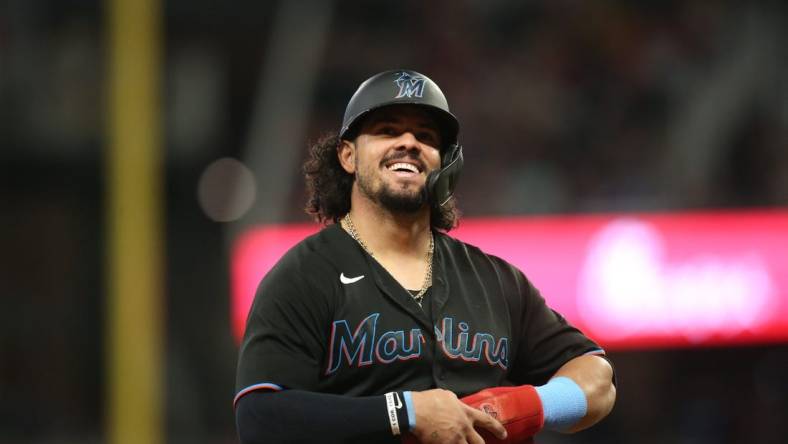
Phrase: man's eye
(387, 130)
(428, 137)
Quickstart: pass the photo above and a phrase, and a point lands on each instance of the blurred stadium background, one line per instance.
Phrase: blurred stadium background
(566, 107)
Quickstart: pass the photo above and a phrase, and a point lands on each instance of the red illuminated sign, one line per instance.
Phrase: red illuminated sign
(627, 280)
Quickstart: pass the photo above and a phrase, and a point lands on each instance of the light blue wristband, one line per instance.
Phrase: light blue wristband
(563, 403)
(411, 410)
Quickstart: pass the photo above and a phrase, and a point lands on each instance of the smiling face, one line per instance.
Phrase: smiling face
(396, 148)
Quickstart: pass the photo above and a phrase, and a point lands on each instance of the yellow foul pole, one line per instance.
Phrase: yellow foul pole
(135, 294)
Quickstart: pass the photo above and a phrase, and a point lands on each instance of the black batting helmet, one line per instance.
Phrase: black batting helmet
(407, 87)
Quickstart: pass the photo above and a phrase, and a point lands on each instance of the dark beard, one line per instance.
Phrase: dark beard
(396, 203)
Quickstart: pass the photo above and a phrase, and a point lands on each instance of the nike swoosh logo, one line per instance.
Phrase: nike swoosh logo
(397, 403)
(346, 280)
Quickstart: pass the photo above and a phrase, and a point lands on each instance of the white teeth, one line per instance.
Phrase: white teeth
(404, 166)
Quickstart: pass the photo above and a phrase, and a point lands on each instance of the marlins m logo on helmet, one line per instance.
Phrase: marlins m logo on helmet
(409, 86)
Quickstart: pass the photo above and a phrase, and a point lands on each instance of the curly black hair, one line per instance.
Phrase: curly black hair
(328, 187)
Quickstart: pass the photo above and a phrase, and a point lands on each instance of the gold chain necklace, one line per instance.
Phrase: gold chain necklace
(347, 223)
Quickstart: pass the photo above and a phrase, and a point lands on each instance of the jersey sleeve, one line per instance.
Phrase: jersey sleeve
(546, 341)
(284, 336)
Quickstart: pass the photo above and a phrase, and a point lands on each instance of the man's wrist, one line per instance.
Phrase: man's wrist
(411, 411)
(564, 403)
(392, 399)
(400, 413)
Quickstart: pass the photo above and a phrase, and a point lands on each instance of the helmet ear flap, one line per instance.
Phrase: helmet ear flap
(441, 183)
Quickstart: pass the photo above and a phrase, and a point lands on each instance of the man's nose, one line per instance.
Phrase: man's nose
(408, 140)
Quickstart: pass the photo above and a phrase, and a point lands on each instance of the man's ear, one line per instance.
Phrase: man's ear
(347, 156)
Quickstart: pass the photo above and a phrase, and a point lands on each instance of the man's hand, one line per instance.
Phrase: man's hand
(442, 418)
(519, 409)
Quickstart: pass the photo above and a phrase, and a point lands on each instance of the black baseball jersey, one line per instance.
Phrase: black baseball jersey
(329, 318)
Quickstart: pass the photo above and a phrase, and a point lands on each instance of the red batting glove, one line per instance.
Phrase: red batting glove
(519, 409)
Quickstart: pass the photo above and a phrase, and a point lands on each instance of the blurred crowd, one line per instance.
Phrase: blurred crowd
(565, 107)
(570, 106)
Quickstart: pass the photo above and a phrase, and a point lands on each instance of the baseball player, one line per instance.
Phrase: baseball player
(381, 327)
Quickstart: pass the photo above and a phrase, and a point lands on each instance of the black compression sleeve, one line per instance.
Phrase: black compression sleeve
(296, 416)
